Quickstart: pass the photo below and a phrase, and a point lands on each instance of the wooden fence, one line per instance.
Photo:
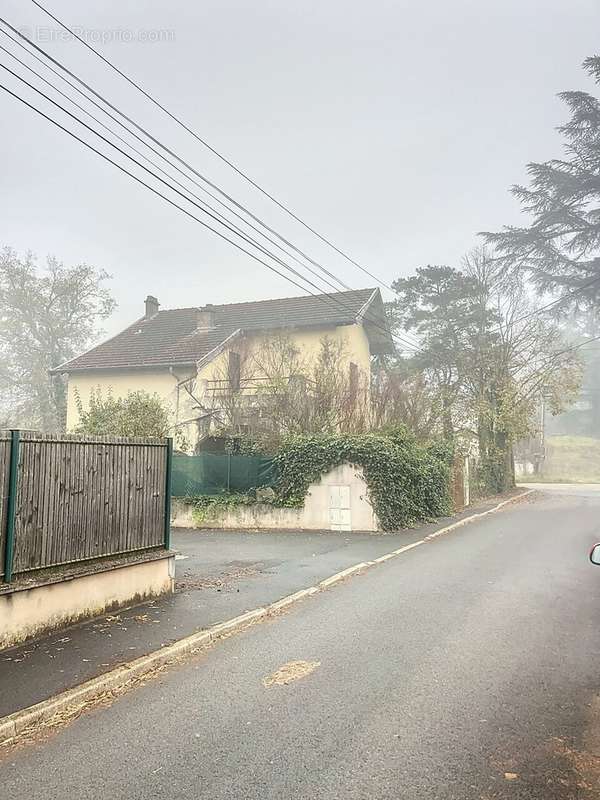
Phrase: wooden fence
(70, 498)
(4, 476)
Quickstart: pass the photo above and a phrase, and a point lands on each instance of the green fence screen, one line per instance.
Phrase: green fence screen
(214, 474)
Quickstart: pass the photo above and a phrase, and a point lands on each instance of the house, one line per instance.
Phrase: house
(203, 360)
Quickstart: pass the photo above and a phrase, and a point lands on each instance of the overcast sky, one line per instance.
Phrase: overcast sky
(394, 128)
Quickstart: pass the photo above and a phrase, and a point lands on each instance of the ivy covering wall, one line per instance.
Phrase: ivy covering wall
(408, 482)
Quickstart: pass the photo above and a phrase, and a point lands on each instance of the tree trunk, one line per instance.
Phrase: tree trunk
(447, 424)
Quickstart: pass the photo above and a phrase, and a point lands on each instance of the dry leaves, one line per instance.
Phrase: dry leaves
(292, 671)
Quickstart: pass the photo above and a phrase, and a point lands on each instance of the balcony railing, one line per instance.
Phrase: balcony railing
(250, 387)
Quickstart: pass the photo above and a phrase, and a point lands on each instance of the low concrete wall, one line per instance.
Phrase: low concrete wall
(27, 611)
(256, 517)
(320, 510)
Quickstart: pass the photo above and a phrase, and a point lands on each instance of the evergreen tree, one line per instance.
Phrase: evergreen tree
(486, 356)
(560, 248)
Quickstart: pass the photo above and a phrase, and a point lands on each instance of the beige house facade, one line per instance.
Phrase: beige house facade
(210, 362)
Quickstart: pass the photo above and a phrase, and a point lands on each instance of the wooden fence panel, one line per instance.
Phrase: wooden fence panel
(83, 498)
(4, 465)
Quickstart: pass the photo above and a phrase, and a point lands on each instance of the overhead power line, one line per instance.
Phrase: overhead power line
(149, 160)
(212, 149)
(147, 185)
(219, 218)
(145, 144)
(332, 300)
(160, 144)
(558, 300)
(252, 182)
(200, 206)
(415, 349)
(323, 297)
(168, 185)
(376, 323)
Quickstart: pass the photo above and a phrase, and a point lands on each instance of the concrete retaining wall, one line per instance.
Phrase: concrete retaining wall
(30, 610)
(339, 501)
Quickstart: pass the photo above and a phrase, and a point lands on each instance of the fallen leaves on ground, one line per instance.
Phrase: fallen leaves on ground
(292, 671)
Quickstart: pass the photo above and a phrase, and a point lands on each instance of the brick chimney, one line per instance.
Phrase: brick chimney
(152, 305)
(205, 317)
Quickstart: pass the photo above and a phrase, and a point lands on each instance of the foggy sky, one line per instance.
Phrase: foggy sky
(395, 128)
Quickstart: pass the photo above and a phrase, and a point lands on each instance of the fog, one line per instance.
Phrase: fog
(395, 130)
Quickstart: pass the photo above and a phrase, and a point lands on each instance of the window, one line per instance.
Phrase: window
(234, 371)
(353, 380)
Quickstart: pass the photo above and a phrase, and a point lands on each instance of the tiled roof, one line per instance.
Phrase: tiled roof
(171, 337)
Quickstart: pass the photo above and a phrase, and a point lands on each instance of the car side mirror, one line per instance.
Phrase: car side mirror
(595, 554)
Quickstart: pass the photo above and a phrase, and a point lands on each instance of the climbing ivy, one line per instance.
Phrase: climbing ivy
(204, 507)
(407, 481)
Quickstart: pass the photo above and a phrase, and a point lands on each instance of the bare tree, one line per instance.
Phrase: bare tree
(46, 317)
(484, 354)
(402, 396)
(283, 391)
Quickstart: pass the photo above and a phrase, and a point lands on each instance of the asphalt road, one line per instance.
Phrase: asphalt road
(219, 575)
(466, 668)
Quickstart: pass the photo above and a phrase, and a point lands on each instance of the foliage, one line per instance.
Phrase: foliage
(407, 481)
(559, 249)
(46, 317)
(282, 392)
(484, 356)
(583, 327)
(257, 444)
(494, 470)
(401, 394)
(137, 414)
(205, 506)
(239, 445)
(441, 305)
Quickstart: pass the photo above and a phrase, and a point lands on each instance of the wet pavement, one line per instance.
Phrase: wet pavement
(219, 574)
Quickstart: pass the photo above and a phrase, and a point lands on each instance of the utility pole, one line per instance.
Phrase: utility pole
(542, 456)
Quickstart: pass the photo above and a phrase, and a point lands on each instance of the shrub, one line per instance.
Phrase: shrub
(137, 414)
(204, 507)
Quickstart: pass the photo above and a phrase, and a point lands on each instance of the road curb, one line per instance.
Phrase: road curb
(345, 573)
(74, 699)
(16, 723)
(480, 515)
(285, 602)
